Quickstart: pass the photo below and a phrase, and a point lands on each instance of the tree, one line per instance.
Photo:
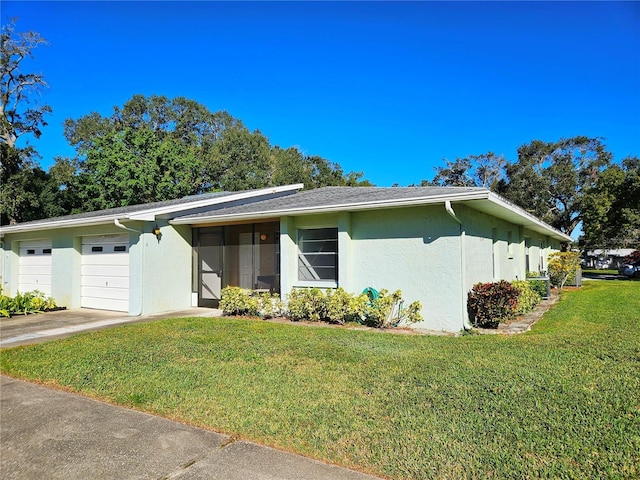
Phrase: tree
(21, 181)
(21, 178)
(611, 208)
(473, 171)
(153, 148)
(550, 179)
(17, 88)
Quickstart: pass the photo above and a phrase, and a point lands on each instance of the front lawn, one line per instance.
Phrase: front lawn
(562, 401)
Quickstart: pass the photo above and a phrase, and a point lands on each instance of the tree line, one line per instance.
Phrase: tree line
(156, 148)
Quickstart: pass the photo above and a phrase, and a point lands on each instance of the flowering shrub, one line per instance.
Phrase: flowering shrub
(490, 304)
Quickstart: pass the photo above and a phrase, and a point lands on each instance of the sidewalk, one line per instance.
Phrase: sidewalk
(51, 434)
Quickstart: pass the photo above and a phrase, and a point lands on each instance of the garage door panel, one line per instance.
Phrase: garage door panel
(116, 282)
(105, 270)
(105, 273)
(44, 270)
(106, 259)
(36, 261)
(105, 304)
(34, 268)
(106, 293)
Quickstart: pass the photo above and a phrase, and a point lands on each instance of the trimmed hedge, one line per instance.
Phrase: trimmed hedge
(315, 305)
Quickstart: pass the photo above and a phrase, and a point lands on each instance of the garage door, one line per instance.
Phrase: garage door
(34, 272)
(105, 272)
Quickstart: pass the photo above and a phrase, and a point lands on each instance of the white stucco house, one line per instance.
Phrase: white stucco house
(433, 243)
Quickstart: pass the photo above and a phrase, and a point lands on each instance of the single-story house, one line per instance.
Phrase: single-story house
(601, 258)
(433, 243)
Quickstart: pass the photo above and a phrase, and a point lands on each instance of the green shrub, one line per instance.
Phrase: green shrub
(25, 303)
(539, 286)
(269, 305)
(343, 307)
(528, 297)
(490, 304)
(386, 310)
(563, 267)
(307, 304)
(237, 301)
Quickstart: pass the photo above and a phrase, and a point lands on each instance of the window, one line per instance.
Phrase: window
(96, 249)
(120, 248)
(318, 254)
(510, 244)
(46, 251)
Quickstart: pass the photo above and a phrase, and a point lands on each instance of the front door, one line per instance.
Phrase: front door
(210, 269)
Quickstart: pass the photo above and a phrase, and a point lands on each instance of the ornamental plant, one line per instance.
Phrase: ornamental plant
(237, 301)
(25, 303)
(490, 304)
(528, 297)
(307, 304)
(563, 267)
(343, 307)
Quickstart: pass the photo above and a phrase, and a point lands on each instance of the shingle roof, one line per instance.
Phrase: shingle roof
(332, 197)
(131, 208)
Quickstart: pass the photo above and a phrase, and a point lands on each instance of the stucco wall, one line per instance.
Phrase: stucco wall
(159, 272)
(421, 251)
(167, 265)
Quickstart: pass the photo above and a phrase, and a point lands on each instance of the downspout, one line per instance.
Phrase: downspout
(465, 316)
(117, 223)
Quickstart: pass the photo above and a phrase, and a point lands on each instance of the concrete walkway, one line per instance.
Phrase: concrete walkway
(50, 434)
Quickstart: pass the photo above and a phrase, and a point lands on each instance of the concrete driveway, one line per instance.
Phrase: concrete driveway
(47, 433)
(22, 330)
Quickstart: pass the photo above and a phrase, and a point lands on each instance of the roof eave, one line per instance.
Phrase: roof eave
(213, 218)
(145, 215)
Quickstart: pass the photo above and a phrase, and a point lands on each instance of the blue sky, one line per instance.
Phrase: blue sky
(389, 89)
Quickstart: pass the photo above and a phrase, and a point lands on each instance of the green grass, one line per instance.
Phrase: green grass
(593, 271)
(562, 401)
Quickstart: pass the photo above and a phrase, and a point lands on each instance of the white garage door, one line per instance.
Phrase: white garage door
(105, 272)
(34, 272)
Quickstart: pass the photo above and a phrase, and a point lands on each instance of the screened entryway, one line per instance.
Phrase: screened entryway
(246, 256)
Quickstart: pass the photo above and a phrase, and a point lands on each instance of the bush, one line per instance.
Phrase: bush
(528, 297)
(384, 310)
(562, 267)
(307, 304)
(25, 303)
(237, 301)
(490, 304)
(269, 305)
(343, 307)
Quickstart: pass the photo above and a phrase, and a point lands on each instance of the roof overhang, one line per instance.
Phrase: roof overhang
(151, 214)
(482, 200)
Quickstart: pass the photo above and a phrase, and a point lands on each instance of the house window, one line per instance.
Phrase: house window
(542, 247)
(318, 254)
(510, 244)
